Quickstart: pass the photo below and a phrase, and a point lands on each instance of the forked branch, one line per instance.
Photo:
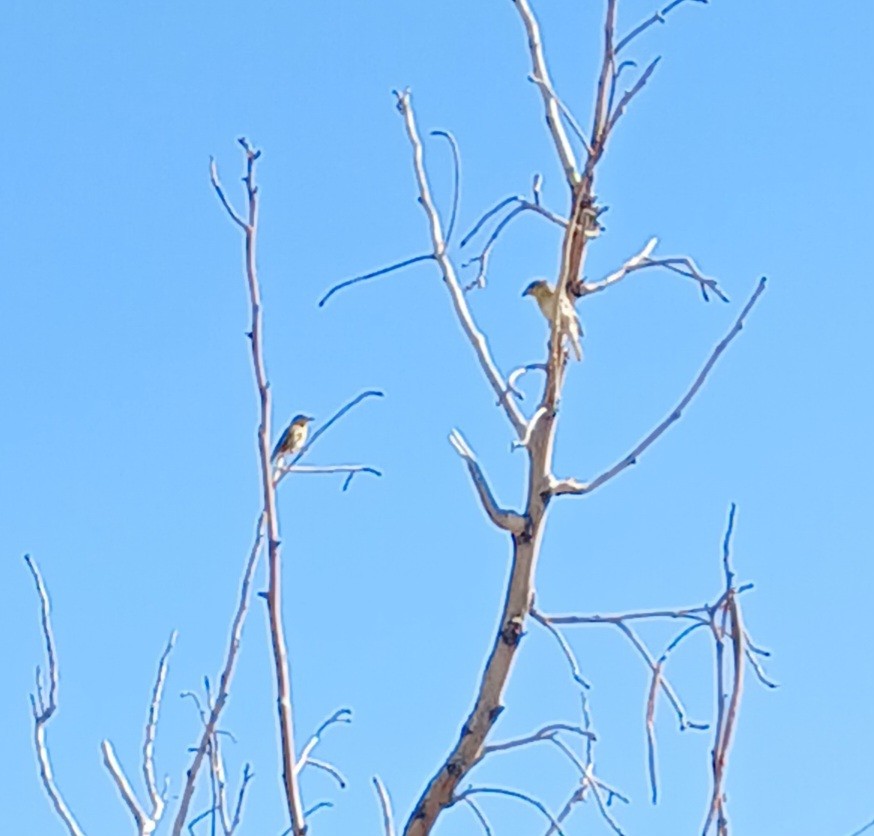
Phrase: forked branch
(44, 703)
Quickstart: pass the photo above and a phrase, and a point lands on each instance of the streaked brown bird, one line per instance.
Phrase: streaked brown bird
(293, 438)
(568, 321)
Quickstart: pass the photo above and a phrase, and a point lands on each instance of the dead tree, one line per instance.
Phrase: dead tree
(579, 153)
(224, 813)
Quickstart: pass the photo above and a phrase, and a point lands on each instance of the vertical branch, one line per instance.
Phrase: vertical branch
(274, 565)
(526, 537)
(44, 703)
(155, 796)
(726, 710)
(601, 120)
(551, 105)
(211, 723)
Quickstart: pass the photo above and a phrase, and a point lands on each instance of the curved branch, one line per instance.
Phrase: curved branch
(507, 520)
(456, 179)
(385, 805)
(316, 434)
(511, 794)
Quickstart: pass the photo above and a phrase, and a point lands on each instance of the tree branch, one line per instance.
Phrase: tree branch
(145, 825)
(551, 107)
(293, 800)
(521, 796)
(560, 487)
(657, 17)
(507, 520)
(155, 796)
(44, 704)
(474, 335)
(221, 698)
(385, 805)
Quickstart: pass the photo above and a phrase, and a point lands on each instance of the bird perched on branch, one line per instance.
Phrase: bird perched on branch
(292, 439)
(568, 321)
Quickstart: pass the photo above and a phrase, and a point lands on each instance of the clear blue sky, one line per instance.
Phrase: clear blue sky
(126, 440)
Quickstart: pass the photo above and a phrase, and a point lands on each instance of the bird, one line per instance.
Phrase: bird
(568, 321)
(293, 438)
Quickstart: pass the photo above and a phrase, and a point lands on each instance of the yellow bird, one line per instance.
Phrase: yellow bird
(568, 321)
(292, 439)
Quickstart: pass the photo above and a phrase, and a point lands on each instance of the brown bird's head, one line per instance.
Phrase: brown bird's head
(301, 420)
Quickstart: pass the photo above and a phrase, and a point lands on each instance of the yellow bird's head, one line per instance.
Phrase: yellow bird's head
(539, 289)
(301, 420)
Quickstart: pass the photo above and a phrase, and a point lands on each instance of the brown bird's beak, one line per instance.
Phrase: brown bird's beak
(527, 291)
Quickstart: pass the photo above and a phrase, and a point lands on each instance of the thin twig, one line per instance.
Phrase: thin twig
(630, 94)
(480, 816)
(863, 829)
(316, 434)
(726, 711)
(517, 373)
(44, 704)
(521, 796)
(540, 71)
(381, 272)
(211, 723)
(547, 733)
(657, 17)
(522, 205)
(565, 111)
(340, 716)
(388, 823)
(155, 796)
(456, 180)
(666, 687)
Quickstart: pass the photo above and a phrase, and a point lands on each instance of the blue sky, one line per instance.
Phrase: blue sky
(128, 466)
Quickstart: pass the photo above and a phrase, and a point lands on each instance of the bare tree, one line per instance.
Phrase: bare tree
(578, 153)
(147, 817)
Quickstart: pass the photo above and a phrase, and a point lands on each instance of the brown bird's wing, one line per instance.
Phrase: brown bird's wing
(280, 445)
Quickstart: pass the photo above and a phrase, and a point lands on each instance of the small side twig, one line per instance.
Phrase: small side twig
(502, 518)
(656, 17)
(211, 724)
(551, 107)
(456, 180)
(407, 262)
(521, 796)
(388, 822)
(340, 716)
